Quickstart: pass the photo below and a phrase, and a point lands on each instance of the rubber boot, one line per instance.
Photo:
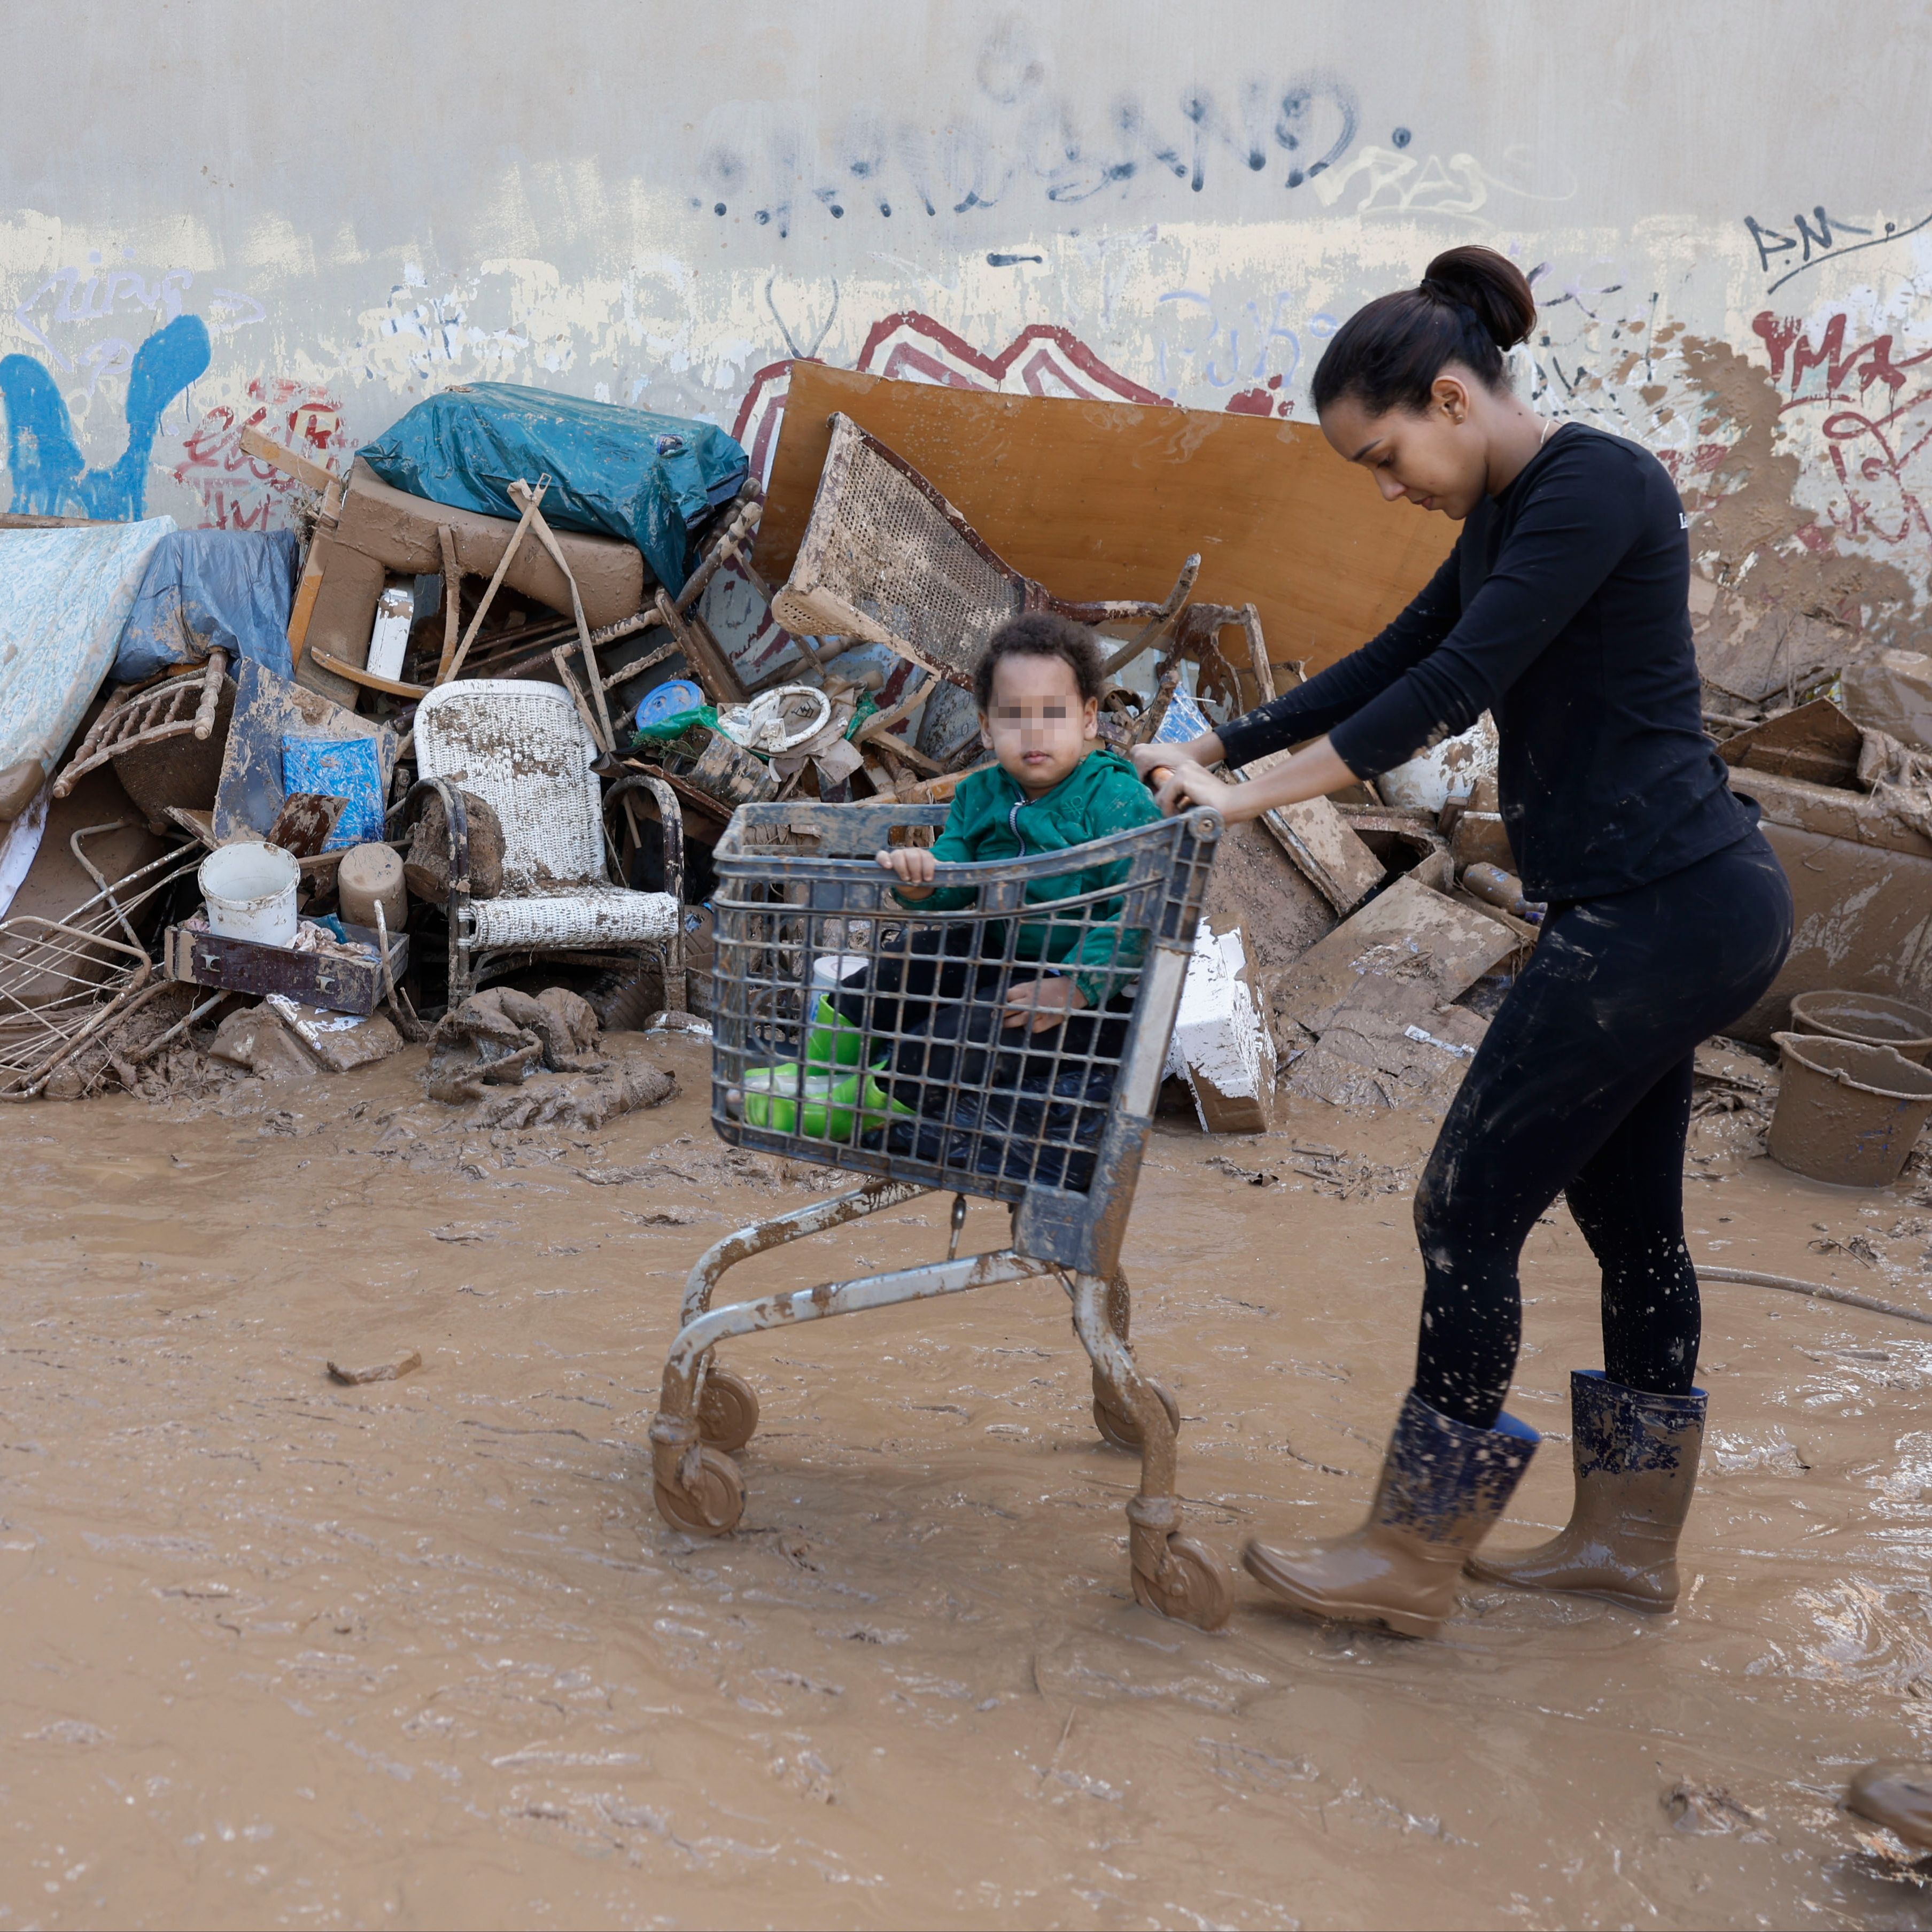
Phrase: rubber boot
(1899, 1797)
(1636, 1456)
(1444, 1483)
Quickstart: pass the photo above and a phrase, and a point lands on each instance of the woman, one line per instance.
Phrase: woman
(1563, 609)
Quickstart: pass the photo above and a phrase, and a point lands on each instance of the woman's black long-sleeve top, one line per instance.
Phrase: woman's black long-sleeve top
(1564, 610)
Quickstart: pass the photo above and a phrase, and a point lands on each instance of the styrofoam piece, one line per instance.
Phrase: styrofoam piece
(1453, 766)
(250, 889)
(1220, 1046)
(389, 641)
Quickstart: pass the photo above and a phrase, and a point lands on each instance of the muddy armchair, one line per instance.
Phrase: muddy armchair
(522, 748)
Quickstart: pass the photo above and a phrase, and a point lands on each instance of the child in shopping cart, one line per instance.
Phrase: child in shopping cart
(965, 1019)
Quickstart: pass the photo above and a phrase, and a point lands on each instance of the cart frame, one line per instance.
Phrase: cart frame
(1058, 1134)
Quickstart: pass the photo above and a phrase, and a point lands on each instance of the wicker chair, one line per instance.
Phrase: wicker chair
(522, 747)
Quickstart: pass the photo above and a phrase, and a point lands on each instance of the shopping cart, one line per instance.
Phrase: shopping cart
(852, 1032)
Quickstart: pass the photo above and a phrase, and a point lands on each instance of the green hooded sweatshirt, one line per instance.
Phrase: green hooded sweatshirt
(992, 818)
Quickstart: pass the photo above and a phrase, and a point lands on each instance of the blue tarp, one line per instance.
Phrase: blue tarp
(206, 590)
(614, 472)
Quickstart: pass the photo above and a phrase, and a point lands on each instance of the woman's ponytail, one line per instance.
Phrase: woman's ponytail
(1473, 305)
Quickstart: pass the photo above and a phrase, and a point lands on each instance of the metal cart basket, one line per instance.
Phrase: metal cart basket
(852, 1031)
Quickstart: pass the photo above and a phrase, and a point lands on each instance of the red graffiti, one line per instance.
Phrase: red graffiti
(1874, 409)
(239, 493)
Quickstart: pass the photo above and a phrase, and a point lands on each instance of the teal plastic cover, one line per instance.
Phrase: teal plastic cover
(628, 473)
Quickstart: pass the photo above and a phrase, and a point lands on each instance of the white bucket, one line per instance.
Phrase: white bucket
(250, 889)
(830, 970)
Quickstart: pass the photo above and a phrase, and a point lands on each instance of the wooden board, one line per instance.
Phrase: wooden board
(1105, 499)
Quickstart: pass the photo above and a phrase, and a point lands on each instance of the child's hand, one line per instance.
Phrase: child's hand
(1040, 1003)
(913, 865)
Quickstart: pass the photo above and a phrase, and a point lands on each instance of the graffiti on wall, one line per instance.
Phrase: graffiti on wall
(1017, 140)
(51, 474)
(238, 491)
(101, 332)
(1819, 237)
(1869, 407)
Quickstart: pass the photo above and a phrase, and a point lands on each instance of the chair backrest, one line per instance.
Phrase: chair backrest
(885, 557)
(522, 748)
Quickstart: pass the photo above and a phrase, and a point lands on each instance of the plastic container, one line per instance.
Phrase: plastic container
(250, 890)
(1848, 1113)
(1873, 1017)
(372, 875)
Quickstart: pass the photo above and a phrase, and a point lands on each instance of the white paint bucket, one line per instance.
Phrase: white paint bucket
(250, 890)
(830, 970)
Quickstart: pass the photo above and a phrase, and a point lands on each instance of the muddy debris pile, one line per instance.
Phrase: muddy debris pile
(444, 769)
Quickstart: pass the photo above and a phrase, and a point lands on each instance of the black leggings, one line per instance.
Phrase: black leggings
(1582, 1087)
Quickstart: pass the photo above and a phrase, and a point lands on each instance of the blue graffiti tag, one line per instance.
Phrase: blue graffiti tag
(50, 475)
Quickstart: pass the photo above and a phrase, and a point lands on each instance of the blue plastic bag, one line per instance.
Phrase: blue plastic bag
(348, 768)
(205, 590)
(628, 473)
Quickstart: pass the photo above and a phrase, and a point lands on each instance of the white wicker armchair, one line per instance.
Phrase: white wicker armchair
(522, 748)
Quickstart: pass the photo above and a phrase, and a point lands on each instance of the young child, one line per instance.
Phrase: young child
(956, 1034)
(1038, 685)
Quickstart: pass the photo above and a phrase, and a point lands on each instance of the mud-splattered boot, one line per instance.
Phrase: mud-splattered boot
(1635, 1455)
(1899, 1797)
(1443, 1485)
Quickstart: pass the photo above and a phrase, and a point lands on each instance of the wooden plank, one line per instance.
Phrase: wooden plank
(310, 584)
(1104, 499)
(313, 475)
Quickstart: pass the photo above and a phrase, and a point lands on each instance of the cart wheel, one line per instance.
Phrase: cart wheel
(728, 1417)
(1192, 1588)
(1118, 1429)
(713, 1506)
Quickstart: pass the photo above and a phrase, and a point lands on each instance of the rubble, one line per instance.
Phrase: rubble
(1411, 933)
(1220, 1047)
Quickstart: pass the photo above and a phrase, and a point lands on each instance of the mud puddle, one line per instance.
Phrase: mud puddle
(421, 1652)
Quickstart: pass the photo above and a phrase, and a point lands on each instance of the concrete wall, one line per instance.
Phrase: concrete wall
(214, 213)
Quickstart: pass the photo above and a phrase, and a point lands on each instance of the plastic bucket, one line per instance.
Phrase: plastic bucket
(250, 890)
(1847, 1112)
(1873, 1017)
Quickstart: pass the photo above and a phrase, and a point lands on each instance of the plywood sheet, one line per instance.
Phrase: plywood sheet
(1105, 499)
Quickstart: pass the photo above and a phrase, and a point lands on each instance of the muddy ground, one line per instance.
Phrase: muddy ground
(421, 1652)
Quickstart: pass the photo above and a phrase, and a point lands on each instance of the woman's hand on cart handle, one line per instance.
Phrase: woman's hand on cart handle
(1313, 772)
(1202, 751)
(913, 865)
(1180, 783)
(1040, 1003)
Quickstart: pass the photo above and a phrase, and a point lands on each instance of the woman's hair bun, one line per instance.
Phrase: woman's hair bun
(1491, 285)
(1473, 307)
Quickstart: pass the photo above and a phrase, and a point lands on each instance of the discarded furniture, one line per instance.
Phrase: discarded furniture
(887, 558)
(68, 594)
(1097, 499)
(523, 748)
(1054, 1133)
(342, 980)
(183, 714)
(379, 533)
(67, 982)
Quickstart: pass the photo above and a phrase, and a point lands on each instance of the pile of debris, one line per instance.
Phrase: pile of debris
(447, 764)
